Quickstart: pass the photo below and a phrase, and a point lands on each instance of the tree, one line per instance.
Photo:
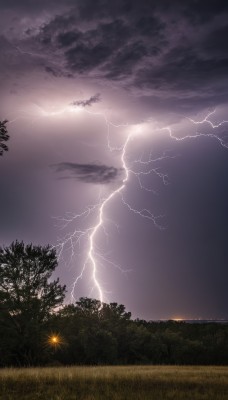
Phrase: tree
(87, 306)
(27, 297)
(4, 137)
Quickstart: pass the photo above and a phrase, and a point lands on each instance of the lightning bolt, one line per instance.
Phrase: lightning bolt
(92, 256)
(73, 239)
(91, 233)
(208, 121)
(223, 140)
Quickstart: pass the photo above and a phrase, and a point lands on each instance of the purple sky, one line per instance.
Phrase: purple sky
(79, 77)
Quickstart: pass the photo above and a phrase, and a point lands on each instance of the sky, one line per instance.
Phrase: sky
(118, 151)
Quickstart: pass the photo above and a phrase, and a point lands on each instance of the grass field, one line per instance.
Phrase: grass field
(115, 383)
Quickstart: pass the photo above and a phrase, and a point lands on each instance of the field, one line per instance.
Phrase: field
(115, 383)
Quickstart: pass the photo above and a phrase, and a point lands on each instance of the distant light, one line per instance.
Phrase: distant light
(55, 340)
(177, 319)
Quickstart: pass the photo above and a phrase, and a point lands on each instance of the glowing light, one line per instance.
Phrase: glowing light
(55, 340)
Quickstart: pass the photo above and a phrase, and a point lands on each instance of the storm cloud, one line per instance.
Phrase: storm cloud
(158, 49)
(89, 102)
(88, 173)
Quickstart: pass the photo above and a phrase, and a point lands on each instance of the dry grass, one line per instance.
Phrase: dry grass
(115, 383)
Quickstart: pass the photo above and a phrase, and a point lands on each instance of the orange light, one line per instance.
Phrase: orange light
(55, 340)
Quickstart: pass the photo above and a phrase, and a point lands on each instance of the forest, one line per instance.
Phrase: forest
(38, 328)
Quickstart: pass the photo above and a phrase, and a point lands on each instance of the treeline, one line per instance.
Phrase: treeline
(86, 333)
(37, 329)
(108, 335)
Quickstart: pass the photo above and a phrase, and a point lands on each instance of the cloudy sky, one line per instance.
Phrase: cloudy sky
(117, 110)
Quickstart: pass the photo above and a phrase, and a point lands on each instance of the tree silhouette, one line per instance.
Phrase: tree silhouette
(27, 296)
(4, 137)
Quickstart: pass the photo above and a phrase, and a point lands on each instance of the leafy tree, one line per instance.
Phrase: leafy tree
(86, 306)
(115, 312)
(27, 297)
(4, 137)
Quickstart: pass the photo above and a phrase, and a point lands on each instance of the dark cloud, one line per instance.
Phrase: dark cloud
(66, 39)
(83, 58)
(149, 25)
(173, 51)
(89, 102)
(199, 12)
(125, 60)
(88, 173)
(33, 6)
(100, 48)
(146, 45)
(183, 69)
(215, 44)
(52, 31)
(196, 11)
(94, 47)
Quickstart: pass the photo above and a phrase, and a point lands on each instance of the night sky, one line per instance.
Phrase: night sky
(78, 79)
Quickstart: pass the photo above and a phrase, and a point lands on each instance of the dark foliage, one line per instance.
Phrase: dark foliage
(108, 335)
(4, 137)
(87, 332)
(27, 299)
